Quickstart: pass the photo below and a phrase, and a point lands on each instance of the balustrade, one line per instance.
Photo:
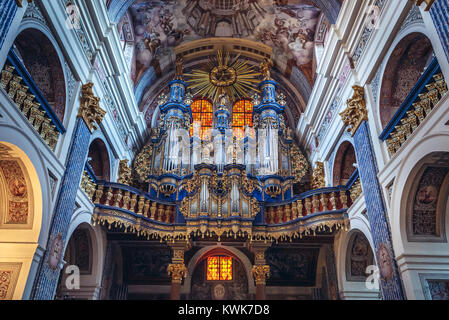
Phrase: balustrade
(426, 94)
(22, 90)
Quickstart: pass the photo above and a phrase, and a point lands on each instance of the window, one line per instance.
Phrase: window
(242, 116)
(219, 268)
(202, 112)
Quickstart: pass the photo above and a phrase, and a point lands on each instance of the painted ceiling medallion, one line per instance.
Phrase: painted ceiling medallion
(224, 75)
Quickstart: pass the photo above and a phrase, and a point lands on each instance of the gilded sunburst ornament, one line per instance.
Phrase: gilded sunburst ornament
(223, 75)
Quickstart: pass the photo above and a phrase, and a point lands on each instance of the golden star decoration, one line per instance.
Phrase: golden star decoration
(224, 75)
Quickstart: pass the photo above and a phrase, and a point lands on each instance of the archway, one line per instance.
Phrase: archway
(20, 219)
(40, 58)
(99, 159)
(420, 218)
(83, 262)
(359, 257)
(406, 64)
(344, 164)
(219, 275)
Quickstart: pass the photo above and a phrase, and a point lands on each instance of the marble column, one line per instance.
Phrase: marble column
(356, 116)
(50, 266)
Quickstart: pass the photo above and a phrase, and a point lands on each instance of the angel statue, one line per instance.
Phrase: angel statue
(265, 67)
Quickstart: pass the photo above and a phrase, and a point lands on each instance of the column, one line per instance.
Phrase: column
(8, 9)
(356, 116)
(177, 269)
(50, 266)
(439, 11)
(260, 270)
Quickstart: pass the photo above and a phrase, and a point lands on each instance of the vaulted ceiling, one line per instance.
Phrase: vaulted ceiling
(290, 27)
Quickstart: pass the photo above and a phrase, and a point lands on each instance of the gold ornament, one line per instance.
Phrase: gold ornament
(300, 165)
(90, 110)
(224, 75)
(124, 173)
(356, 112)
(177, 271)
(142, 163)
(318, 176)
(265, 67)
(260, 274)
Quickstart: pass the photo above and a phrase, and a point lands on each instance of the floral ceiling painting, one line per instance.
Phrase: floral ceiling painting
(286, 25)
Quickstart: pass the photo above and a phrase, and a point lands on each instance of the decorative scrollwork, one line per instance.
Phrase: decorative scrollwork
(124, 174)
(356, 112)
(318, 176)
(90, 110)
(300, 165)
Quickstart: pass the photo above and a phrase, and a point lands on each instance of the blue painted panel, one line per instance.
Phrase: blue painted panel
(47, 278)
(376, 210)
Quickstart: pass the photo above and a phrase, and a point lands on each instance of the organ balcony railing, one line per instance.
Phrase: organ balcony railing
(424, 96)
(308, 214)
(28, 98)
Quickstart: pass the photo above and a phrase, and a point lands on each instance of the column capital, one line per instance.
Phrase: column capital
(356, 112)
(260, 274)
(90, 110)
(177, 271)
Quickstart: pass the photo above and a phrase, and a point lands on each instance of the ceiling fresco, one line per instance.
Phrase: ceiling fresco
(287, 26)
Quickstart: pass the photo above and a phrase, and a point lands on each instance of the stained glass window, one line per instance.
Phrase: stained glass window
(202, 112)
(219, 268)
(242, 116)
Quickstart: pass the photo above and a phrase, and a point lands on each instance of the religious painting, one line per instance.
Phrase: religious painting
(287, 26)
(55, 254)
(385, 262)
(146, 264)
(424, 216)
(292, 267)
(359, 258)
(18, 196)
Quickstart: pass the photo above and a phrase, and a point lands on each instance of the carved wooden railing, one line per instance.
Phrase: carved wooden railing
(21, 88)
(308, 213)
(424, 96)
(309, 203)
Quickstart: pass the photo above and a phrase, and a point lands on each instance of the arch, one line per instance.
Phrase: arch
(428, 200)
(408, 60)
(99, 159)
(423, 153)
(204, 252)
(20, 219)
(359, 256)
(343, 167)
(86, 250)
(353, 288)
(40, 57)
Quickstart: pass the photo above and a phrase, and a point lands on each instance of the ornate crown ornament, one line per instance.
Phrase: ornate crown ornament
(90, 110)
(318, 176)
(356, 112)
(124, 174)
